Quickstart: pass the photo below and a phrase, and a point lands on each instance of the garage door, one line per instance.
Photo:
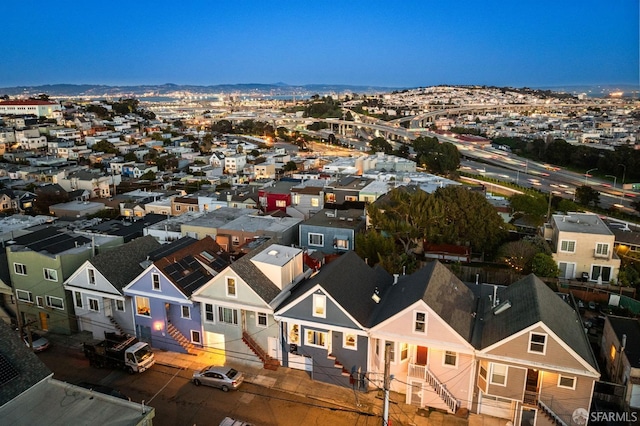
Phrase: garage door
(300, 362)
(496, 406)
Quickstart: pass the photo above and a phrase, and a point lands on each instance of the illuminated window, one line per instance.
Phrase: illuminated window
(404, 351)
(294, 334)
(499, 374)
(350, 341)
(316, 338)
(319, 305)
(612, 352)
(142, 306)
(231, 287)
(450, 358)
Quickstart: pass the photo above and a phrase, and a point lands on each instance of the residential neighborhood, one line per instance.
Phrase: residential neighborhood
(369, 270)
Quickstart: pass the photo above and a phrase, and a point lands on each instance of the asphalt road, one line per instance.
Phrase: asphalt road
(178, 402)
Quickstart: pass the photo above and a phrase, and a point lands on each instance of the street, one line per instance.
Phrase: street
(177, 401)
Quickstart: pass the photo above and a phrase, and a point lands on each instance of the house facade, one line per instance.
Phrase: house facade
(582, 245)
(96, 287)
(332, 231)
(238, 304)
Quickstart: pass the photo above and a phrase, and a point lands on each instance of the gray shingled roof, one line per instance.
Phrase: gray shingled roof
(442, 291)
(350, 282)
(122, 264)
(630, 327)
(531, 302)
(16, 357)
(253, 276)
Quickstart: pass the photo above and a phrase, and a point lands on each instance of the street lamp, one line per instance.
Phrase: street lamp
(586, 175)
(614, 180)
(624, 172)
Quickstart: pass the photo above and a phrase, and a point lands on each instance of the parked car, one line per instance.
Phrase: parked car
(592, 305)
(221, 377)
(39, 343)
(103, 389)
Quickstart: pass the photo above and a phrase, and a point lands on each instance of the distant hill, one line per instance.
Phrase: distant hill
(276, 89)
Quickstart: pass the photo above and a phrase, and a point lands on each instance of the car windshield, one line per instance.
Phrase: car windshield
(142, 354)
(231, 373)
(34, 337)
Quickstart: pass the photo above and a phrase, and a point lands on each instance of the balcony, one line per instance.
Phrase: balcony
(600, 255)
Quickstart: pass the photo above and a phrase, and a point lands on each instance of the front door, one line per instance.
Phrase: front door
(44, 321)
(421, 355)
(108, 311)
(531, 387)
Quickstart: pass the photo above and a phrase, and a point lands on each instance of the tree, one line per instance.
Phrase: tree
(518, 255)
(528, 204)
(373, 246)
(586, 195)
(380, 144)
(290, 166)
(105, 146)
(543, 265)
(148, 175)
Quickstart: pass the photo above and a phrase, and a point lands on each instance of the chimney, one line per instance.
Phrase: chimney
(495, 294)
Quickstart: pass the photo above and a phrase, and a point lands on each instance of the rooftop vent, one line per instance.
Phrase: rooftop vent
(502, 307)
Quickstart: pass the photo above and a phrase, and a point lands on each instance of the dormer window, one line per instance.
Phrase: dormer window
(155, 280)
(537, 343)
(92, 276)
(319, 305)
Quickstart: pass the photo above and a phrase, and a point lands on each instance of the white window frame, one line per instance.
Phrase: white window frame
(346, 344)
(77, 299)
(598, 250)
(120, 305)
(319, 301)
(49, 300)
(155, 282)
(531, 342)
(28, 299)
(572, 378)
(416, 322)
(91, 276)
(453, 354)
(93, 299)
(50, 274)
(601, 266)
(566, 250)
(404, 351)
(342, 244)
(318, 332)
(221, 315)
(182, 312)
(262, 315)
(207, 312)
(315, 234)
(40, 301)
(229, 280)
(20, 268)
(148, 303)
(492, 373)
(196, 341)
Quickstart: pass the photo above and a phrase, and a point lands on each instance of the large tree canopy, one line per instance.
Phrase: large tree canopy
(452, 215)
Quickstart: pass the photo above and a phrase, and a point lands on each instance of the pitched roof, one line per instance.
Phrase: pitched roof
(253, 276)
(122, 264)
(631, 328)
(440, 289)
(532, 302)
(353, 291)
(189, 268)
(20, 368)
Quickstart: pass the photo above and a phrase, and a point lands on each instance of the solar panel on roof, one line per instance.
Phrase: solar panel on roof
(7, 371)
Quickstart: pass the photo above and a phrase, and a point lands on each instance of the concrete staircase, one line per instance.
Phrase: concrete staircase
(181, 339)
(118, 327)
(268, 362)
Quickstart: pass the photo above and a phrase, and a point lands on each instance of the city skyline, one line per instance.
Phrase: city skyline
(535, 44)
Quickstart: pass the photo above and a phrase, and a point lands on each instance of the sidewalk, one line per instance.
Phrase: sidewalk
(298, 382)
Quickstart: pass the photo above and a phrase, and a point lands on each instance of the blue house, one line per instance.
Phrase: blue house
(324, 321)
(164, 314)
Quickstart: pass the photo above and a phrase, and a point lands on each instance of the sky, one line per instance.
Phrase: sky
(517, 43)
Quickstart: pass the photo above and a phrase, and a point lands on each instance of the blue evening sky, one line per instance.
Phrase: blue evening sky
(532, 43)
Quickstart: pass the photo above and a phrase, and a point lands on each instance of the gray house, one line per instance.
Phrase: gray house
(324, 321)
(332, 231)
(99, 302)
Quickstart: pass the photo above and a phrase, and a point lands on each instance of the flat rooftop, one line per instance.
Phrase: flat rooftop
(584, 223)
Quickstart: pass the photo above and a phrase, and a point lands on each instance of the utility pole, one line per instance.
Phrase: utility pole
(387, 364)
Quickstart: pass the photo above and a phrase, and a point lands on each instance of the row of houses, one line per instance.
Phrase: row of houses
(517, 352)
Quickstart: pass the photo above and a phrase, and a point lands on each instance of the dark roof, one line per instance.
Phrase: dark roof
(630, 327)
(190, 267)
(440, 289)
(253, 276)
(20, 368)
(122, 264)
(353, 291)
(167, 249)
(51, 240)
(531, 302)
